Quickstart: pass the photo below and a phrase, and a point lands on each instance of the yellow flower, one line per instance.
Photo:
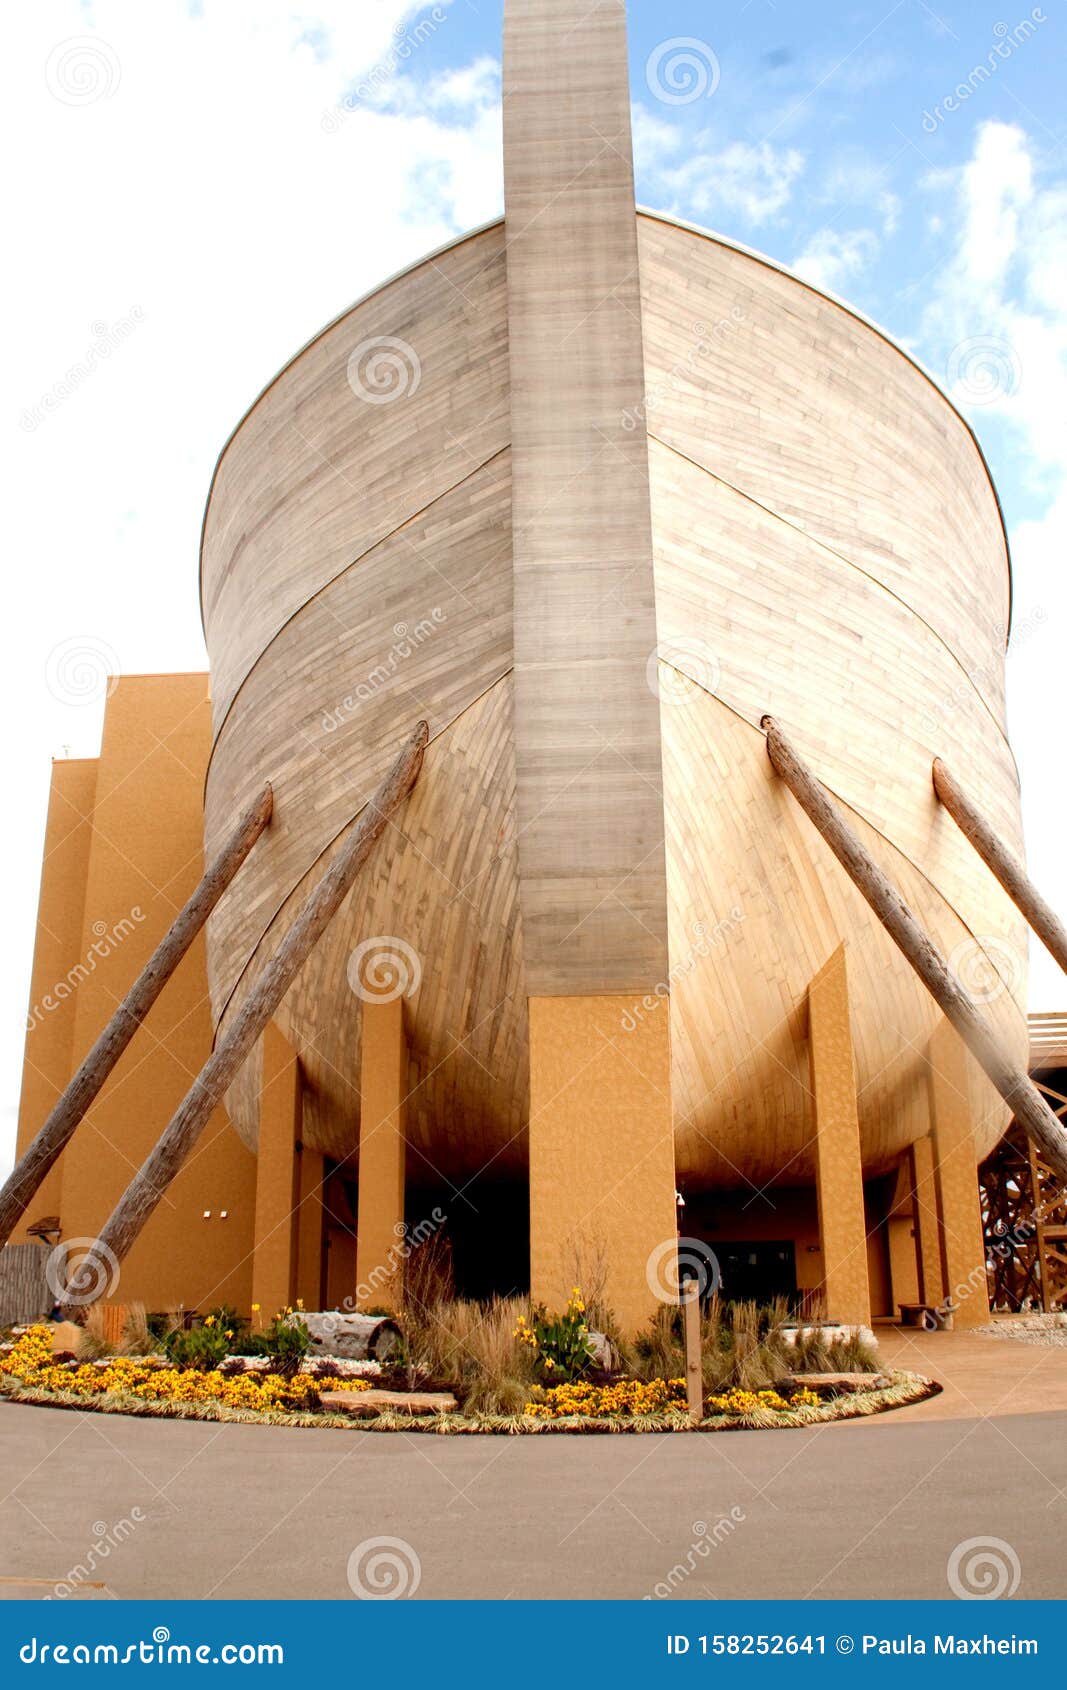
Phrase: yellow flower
(256, 1308)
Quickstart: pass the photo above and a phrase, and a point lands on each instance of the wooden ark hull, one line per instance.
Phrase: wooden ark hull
(827, 547)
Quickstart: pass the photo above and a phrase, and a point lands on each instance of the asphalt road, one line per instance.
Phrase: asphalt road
(873, 1509)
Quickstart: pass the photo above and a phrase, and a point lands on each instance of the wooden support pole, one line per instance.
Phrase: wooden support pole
(1012, 1082)
(1008, 870)
(694, 1366)
(147, 1187)
(65, 1118)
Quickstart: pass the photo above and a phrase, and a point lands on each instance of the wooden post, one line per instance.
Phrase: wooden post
(1008, 870)
(146, 1188)
(1012, 1082)
(694, 1367)
(68, 1113)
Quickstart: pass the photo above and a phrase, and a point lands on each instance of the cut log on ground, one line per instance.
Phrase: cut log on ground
(1011, 1081)
(70, 1111)
(147, 1187)
(1007, 868)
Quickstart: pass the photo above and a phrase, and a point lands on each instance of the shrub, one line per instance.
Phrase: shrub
(561, 1342)
(285, 1343)
(202, 1347)
(472, 1348)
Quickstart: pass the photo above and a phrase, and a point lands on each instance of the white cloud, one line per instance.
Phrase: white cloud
(833, 258)
(997, 323)
(189, 173)
(752, 182)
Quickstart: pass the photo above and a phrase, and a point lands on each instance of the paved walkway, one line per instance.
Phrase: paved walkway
(980, 1375)
(866, 1508)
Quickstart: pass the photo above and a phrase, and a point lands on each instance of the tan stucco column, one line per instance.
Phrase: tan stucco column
(309, 1228)
(274, 1233)
(602, 1151)
(903, 1236)
(962, 1241)
(380, 1212)
(927, 1221)
(839, 1170)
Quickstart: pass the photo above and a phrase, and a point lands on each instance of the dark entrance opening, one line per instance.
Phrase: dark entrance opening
(757, 1272)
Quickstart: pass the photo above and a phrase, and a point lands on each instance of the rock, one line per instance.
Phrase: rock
(354, 1337)
(833, 1382)
(374, 1400)
(65, 1335)
(604, 1352)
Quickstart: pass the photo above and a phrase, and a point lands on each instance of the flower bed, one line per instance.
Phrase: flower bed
(30, 1361)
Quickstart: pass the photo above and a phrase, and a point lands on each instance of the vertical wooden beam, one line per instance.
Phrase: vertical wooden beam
(586, 716)
(838, 1164)
(380, 1212)
(274, 1234)
(962, 1242)
(694, 1366)
(927, 1222)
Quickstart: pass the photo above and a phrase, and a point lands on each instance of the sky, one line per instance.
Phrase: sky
(199, 186)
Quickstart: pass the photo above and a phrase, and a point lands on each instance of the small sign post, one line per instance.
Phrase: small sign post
(694, 1372)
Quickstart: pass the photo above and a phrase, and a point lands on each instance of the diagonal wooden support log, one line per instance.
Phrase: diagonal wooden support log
(1008, 870)
(1011, 1081)
(70, 1110)
(96, 1273)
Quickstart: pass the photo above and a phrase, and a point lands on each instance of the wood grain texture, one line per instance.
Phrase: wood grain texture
(420, 628)
(784, 394)
(590, 807)
(444, 897)
(316, 475)
(825, 545)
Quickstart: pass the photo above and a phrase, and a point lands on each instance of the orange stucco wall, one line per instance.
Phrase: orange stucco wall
(124, 852)
(47, 1062)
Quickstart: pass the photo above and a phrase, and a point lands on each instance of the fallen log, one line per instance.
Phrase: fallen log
(98, 1269)
(1007, 868)
(1011, 1081)
(68, 1113)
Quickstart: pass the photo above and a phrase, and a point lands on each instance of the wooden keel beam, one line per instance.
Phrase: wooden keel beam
(1012, 1082)
(147, 1187)
(1007, 868)
(68, 1113)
